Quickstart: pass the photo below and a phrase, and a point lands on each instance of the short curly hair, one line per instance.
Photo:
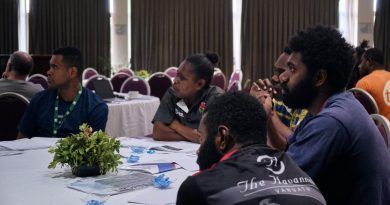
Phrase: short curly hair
(243, 114)
(323, 47)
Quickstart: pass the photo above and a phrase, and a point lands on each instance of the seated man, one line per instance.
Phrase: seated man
(236, 165)
(289, 117)
(376, 80)
(61, 109)
(338, 144)
(179, 113)
(19, 66)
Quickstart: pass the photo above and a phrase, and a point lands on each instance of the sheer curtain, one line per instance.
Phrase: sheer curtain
(165, 32)
(267, 26)
(348, 20)
(9, 26)
(81, 23)
(382, 29)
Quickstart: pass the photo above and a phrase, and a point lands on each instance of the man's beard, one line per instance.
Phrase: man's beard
(208, 154)
(301, 96)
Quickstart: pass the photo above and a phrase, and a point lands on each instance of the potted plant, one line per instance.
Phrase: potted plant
(88, 153)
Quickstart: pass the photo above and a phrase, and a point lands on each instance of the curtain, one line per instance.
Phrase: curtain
(9, 26)
(267, 26)
(84, 24)
(348, 20)
(382, 29)
(164, 33)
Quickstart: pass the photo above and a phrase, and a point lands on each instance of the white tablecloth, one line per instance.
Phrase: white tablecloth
(25, 179)
(132, 118)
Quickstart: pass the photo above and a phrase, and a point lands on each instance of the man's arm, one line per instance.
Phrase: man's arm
(165, 133)
(189, 193)
(277, 133)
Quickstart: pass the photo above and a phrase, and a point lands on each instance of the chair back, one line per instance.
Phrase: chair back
(89, 73)
(39, 79)
(135, 83)
(235, 77)
(235, 86)
(383, 125)
(12, 107)
(118, 79)
(219, 80)
(171, 72)
(366, 100)
(159, 83)
(90, 82)
(126, 70)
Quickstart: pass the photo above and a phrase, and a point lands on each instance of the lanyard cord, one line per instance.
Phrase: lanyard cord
(57, 123)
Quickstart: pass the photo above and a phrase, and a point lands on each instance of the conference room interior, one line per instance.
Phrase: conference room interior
(128, 37)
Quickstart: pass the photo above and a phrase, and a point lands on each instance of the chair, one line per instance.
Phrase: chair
(159, 83)
(39, 79)
(135, 83)
(118, 79)
(12, 107)
(171, 72)
(383, 125)
(90, 82)
(235, 86)
(126, 70)
(235, 77)
(366, 100)
(219, 80)
(88, 73)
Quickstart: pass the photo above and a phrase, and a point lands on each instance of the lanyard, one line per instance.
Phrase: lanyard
(58, 122)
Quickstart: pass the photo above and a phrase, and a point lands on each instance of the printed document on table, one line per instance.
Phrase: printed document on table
(28, 144)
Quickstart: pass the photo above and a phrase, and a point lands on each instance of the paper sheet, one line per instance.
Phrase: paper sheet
(28, 144)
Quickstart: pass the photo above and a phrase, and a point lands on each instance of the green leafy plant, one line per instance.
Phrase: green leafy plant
(87, 148)
(142, 73)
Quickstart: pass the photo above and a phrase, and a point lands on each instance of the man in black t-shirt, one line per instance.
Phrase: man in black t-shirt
(236, 165)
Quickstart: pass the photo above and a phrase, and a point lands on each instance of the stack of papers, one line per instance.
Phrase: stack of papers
(153, 168)
(114, 184)
(28, 144)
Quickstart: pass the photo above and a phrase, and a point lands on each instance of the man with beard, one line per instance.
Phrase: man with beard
(376, 80)
(289, 117)
(236, 165)
(181, 108)
(338, 144)
(61, 109)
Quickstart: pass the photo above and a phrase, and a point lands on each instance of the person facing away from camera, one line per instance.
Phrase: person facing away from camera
(237, 166)
(19, 66)
(181, 108)
(337, 145)
(376, 80)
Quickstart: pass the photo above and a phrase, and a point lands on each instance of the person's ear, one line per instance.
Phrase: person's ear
(73, 72)
(320, 77)
(200, 84)
(224, 142)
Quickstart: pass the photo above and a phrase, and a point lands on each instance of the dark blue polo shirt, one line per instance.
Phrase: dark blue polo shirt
(38, 118)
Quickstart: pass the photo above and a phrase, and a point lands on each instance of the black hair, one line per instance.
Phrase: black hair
(375, 55)
(361, 49)
(287, 50)
(21, 63)
(71, 57)
(202, 65)
(323, 47)
(243, 114)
